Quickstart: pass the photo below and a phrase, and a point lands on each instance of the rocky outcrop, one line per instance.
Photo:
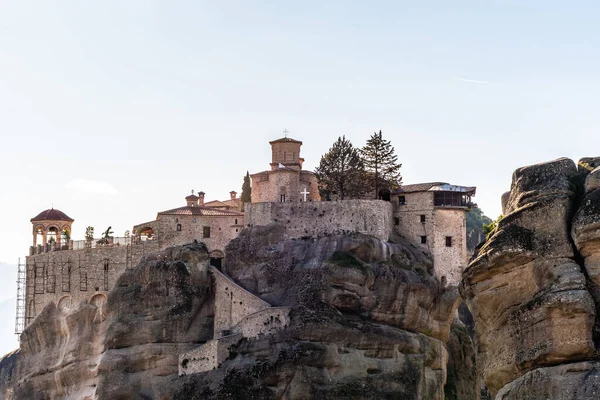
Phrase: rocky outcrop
(351, 317)
(368, 320)
(532, 289)
(127, 347)
(8, 365)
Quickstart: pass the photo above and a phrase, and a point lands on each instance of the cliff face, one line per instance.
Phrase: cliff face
(126, 347)
(533, 287)
(368, 321)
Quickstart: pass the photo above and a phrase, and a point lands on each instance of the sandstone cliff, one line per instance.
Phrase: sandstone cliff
(533, 287)
(368, 320)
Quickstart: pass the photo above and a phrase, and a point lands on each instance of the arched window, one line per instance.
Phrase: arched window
(178, 227)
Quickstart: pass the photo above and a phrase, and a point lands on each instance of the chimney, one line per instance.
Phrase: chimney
(233, 194)
(201, 198)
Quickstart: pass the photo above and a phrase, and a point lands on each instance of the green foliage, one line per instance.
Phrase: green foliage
(492, 227)
(106, 236)
(246, 189)
(341, 171)
(89, 233)
(66, 235)
(381, 163)
(476, 220)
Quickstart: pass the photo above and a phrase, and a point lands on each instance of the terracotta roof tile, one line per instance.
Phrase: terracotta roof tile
(203, 211)
(52, 215)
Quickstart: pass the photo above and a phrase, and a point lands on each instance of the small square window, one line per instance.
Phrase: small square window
(423, 239)
(396, 221)
(401, 200)
(448, 241)
(422, 218)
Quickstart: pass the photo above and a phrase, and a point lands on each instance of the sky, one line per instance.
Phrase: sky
(111, 111)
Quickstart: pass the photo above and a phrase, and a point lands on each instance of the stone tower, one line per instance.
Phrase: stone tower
(286, 182)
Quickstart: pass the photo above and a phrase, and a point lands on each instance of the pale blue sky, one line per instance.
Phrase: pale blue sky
(156, 98)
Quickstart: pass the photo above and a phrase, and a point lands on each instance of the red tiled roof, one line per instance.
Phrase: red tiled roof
(52, 215)
(203, 211)
(215, 204)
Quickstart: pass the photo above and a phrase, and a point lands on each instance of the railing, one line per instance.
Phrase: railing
(90, 244)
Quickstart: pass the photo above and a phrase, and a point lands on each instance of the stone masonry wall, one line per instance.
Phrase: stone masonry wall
(449, 262)
(370, 217)
(208, 356)
(263, 322)
(222, 230)
(72, 276)
(232, 303)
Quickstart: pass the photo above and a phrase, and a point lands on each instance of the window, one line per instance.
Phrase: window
(448, 241)
(422, 218)
(396, 221)
(206, 232)
(401, 200)
(282, 198)
(106, 274)
(178, 227)
(236, 221)
(423, 239)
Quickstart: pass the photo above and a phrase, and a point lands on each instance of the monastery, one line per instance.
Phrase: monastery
(66, 272)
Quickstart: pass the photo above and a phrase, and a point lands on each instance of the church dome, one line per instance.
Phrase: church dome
(52, 215)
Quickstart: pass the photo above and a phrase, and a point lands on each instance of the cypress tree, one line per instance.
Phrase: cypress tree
(246, 190)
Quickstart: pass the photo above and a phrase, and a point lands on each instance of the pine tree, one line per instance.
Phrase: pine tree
(381, 163)
(341, 170)
(246, 190)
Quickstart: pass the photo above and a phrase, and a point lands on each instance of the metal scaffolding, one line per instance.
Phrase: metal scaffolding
(20, 315)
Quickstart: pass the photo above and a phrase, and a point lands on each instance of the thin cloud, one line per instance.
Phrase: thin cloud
(91, 186)
(474, 81)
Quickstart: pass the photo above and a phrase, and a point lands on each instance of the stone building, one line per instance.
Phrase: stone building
(214, 223)
(433, 216)
(285, 182)
(69, 271)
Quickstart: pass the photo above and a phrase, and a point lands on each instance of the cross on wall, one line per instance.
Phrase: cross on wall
(305, 194)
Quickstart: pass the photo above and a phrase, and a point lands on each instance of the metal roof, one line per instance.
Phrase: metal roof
(435, 186)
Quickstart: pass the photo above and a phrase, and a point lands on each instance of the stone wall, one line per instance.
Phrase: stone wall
(370, 217)
(438, 223)
(270, 185)
(69, 277)
(449, 261)
(222, 230)
(263, 322)
(208, 356)
(232, 303)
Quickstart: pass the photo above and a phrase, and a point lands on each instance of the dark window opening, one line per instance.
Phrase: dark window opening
(236, 221)
(178, 227)
(282, 198)
(216, 262)
(448, 241)
(451, 199)
(206, 232)
(384, 194)
(401, 200)
(422, 218)
(396, 221)
(423, 239)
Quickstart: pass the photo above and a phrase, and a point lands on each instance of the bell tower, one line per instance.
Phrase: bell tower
(286, 152)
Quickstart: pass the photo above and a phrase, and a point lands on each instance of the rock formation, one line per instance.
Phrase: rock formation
(368, 320)
(533, 287)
